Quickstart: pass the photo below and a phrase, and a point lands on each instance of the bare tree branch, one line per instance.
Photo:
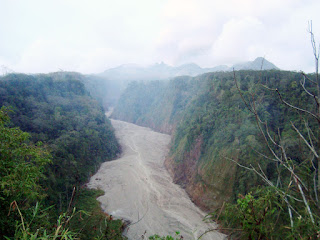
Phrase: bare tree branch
(305, 201)
(296, 108)
(305, 141)
(302, 83)
(309, 79)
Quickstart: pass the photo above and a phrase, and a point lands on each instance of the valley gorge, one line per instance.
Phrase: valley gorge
(210, 124)
(211, 153)
(139, 189)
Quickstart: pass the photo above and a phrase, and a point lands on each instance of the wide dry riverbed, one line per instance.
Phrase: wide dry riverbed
(138, 188)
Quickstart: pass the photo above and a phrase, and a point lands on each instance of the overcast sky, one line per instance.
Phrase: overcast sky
(90, 36)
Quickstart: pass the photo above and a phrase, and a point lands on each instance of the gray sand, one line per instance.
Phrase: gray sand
(138, 188)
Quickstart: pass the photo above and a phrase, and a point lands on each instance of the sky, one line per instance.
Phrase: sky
(90, 36)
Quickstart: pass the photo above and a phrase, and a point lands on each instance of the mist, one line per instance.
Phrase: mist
(91, 37)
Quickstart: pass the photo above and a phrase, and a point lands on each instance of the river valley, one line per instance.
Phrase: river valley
(138, 188)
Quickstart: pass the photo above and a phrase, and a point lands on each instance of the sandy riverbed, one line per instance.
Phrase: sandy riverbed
(139, 188)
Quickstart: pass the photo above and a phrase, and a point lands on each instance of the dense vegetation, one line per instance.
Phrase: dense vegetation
(65, 127)
(215, 133)
(217, 151)
(156, 104)
(105, 91)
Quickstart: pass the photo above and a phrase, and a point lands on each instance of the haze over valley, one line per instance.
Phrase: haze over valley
(162, 120)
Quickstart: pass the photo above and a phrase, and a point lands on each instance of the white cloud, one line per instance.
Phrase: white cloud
(225, 32)
(90, 36)
(53, 55)
(240, 39)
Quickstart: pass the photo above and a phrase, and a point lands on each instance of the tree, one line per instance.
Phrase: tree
(21, 167)
(289, 205)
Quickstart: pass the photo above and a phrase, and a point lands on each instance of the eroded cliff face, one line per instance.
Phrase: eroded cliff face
(210, 124)
(207, 189)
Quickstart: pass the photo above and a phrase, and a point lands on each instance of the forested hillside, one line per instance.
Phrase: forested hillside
(63, 119)
(105, 91)
(209, 122)
(156, 104)
(217, 126)
(159, 102)
(214, 131)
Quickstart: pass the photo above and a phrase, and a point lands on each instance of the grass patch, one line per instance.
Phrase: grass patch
(91, 222)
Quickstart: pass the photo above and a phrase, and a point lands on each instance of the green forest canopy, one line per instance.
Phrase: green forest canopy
(57, 137)
(213, 131)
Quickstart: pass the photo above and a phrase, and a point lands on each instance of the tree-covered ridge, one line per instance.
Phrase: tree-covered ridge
(214, 124)
(61, 114)
(105, 91)
(221, 144)
(227, 130)
(156, 104)
(22, 167)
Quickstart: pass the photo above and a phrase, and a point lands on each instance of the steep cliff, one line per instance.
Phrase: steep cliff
(212, 128)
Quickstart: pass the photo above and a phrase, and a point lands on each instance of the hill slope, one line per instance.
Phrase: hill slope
(211, 124)
(58, 111)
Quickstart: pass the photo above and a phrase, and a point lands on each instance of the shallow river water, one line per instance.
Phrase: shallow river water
(138, 188)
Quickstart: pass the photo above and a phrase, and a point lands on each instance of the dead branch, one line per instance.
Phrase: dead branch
(305, 141)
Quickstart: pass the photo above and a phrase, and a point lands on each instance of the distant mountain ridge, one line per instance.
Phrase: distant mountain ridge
(161, 71)
(115, 80)
(259, 63)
